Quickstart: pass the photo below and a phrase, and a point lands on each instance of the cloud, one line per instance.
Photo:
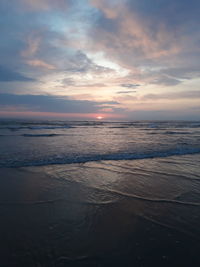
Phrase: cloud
(186, 72)
(173, 13)
(79, 62)
(7, 75)
(57, 104)
(173, 96)
(90, 48)
(130, 35)
(40, 63)
(163, 114)
(148, 38)
(44, 5)
(125, 92)
(156, 98)
(164, 80)
(110, 9)
(32, 42)
(129, 85)
(69, 82)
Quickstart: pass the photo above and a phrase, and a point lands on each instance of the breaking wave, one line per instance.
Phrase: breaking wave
(98, 157)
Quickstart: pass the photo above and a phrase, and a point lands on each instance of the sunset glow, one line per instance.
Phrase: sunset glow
(117, 57)
(100, 133)
(99, 117)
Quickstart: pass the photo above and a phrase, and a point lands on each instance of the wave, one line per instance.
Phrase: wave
(40, 135)
(171, 133)
(100, 157)
(37, 128)
(145, 125)
(118, 127)
(49, 127)
(175, 132)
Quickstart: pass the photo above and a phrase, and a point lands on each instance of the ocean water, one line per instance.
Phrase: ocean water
(42, 143)
(99, 194)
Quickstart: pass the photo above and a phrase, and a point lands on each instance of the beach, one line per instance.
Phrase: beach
(99, 133)
(143, 212)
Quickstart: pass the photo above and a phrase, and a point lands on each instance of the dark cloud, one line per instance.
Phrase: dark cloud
(125, 92)
(129, 85)
(52, 44)
(80, 62)
(45, 5)
(164, 80)
(172, 12)
(151, 36)
(187, 72)
(7, 75)
(45, 103)
(68, 82)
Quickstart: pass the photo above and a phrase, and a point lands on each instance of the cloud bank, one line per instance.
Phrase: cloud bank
(97, 51)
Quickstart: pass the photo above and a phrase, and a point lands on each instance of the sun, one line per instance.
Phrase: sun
(99, 117)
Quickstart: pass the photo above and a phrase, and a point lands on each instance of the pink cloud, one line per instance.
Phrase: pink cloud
(132, 40)
(44, 5)
(32, 43)
(40, 63)
(110, 9)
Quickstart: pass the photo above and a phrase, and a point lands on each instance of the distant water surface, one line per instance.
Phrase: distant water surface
(35, 143)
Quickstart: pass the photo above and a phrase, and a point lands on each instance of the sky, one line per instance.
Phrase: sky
(116, 59)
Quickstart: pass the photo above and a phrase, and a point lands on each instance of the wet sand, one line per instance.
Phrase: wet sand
(109, 213)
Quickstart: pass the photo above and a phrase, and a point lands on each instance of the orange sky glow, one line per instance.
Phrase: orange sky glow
(92, 116)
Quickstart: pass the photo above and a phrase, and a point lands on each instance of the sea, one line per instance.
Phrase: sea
(99, 193)
(56, 142)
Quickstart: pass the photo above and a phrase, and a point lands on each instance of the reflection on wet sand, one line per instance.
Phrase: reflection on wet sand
(110, 213)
